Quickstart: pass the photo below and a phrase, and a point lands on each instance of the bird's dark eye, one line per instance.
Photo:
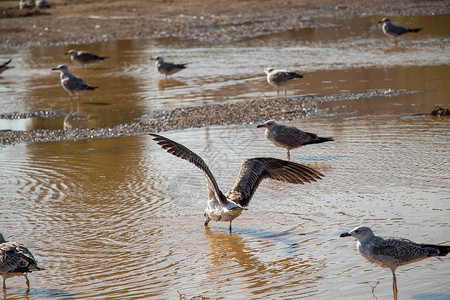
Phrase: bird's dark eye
(356, 231)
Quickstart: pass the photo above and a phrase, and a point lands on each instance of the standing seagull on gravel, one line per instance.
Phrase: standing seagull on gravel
(394, 31)
(289, 137)
(391, 252)
(167, 68)
(251, 172)
(84, 57)
(280, 78)
(72, 84)
(16, 260)
(4, 66)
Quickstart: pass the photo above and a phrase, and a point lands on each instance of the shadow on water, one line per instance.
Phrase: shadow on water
(431, 296)
(38, 293)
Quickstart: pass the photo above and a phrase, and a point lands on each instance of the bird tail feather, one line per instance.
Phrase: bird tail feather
(415, 29)
(442, 249)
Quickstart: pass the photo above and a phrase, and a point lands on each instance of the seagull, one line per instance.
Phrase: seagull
(391, 252)
(394, 31)
(16, 260)
(279, 78)
(4, 66)
(167, 68)
(26, 4)
(251, 172)
(290, 137)
(42, 4)
(71, 83)
(84, 57)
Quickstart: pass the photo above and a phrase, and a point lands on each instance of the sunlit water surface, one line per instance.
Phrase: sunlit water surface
(122, 219)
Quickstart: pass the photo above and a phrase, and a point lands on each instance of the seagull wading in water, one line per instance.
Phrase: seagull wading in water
(84, 57)
(394, 31)
(392, 252)
(16, 260)
(280, 78)
(251, 172)
(289, 137)
(72, 84)
(167, 68)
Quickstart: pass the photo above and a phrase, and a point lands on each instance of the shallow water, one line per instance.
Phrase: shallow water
(122, 219)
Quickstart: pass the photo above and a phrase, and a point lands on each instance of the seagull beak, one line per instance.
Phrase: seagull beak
(260, 125)
(379, 22)
(345, 234)
(55, 69)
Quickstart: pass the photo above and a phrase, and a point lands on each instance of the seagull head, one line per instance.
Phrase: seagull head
(269, 124)
(158, 58)
(61, 68)
(385, 20)
(268, 70)
(361, 233)
(72, 52)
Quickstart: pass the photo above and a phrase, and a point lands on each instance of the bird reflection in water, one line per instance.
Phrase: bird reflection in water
(259, 267)
(169, 83)
(77, 119)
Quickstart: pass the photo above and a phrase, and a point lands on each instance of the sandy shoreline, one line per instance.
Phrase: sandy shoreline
(247, 112)
(78, 22)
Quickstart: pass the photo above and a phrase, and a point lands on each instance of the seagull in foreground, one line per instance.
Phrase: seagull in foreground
(167, 68)
(289, 137)
(394, 31)
(4, 66)
(251, 172)
(71, 83)
(16, 260)
(84, 57)
(391, 252)
(280, 78)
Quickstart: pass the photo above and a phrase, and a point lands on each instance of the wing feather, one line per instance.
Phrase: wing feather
(181, 151)
(253, 171)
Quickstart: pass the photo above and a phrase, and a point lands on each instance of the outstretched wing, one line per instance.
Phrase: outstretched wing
(5, 63)
(181, 151)
(253, 171)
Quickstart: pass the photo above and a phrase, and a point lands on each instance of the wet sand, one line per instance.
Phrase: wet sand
(191, 117)
(70, 22)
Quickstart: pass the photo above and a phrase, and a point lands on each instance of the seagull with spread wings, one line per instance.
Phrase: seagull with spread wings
(227, 207)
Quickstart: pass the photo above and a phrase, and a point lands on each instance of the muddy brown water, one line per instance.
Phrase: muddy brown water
(122, 219)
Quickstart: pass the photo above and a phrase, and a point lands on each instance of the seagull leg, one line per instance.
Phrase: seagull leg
(285, 94)
(208, 219)
(4, 283)
(278, 92)
(288, 155)
(394, 284)
(230, 226)
(28, 282)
